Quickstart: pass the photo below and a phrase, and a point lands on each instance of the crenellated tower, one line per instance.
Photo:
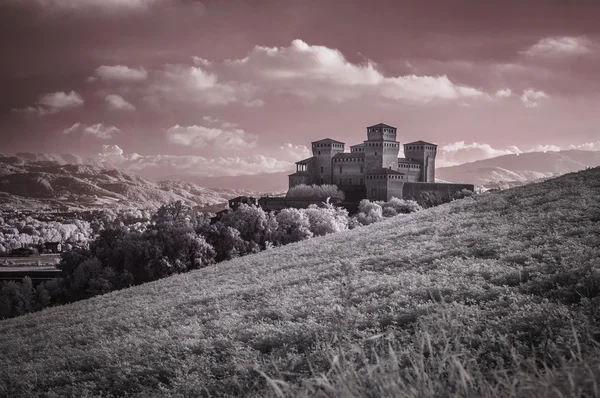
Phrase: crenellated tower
(381, 148)
(424, 153)
(323, 153)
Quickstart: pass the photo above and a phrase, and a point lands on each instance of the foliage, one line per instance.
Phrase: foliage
(315, 192)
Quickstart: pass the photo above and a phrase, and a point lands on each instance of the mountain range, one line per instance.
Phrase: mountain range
(41, 180)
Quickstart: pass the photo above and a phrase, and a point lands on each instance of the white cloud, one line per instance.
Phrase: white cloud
(312, 71)
(461, 152)
(99, 130)
(531, 98)
(503, 93)
(295, 152)
(561, 46)
(54, 102)
(116, 102)
(121, 73)
(589, 146)
(104, 5)
(201, 137)
(545, 148)
(191, 165)
(180, 83)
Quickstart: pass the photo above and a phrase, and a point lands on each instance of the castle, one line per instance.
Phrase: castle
(373, 169)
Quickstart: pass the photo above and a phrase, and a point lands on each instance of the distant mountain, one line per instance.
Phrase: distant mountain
(32, 180)
(511, 170)
(265, 182)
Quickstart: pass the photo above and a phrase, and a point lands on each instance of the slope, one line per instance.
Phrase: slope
(501, 276)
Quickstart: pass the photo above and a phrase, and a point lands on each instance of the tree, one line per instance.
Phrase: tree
(315, 192)
(369, 212)
(293, 225)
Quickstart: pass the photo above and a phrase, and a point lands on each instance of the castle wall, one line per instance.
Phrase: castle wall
(277, 203)
(323, 153)
(383, 187)
(352, 171)
(425, 154)
(306, 179)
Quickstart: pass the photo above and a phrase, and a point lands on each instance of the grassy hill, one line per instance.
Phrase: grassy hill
(472, 298)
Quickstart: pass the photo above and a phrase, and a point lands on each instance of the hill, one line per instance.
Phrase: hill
(465, 299)
(34, 181)
(514, 170)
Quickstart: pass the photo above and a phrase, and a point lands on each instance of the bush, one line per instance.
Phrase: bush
(315, 192)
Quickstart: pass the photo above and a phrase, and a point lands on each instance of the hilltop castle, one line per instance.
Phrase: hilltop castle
(373, 165)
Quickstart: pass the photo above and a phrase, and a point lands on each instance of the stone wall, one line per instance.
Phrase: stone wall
(278, 203)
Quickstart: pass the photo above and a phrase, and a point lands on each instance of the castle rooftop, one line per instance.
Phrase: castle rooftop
(382, 125)
(327, 140)
(420, 143)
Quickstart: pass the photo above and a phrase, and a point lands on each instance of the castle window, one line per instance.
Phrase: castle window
(321, 170)
(319, 152)
(340, 169)
(375, 153)
(321, 180)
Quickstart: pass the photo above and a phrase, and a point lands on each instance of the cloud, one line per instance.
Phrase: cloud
(99, 130)
(121, 73)
(561, 46)
(164, 165)
(589, 146)
(54, 102)
(461, 152)
(545, 148)
(91, 5)
(312, 71)
(503, 93)
(201, 137)
(295, 152)
(532, 98)
(116, 102)
(192, 84)
(223, 124)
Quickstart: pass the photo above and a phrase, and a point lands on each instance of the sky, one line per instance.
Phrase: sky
(214, 87)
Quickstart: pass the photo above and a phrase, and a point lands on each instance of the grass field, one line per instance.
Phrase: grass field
(494, 295)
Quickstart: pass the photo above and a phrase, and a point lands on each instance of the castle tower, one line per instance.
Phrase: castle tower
(424, 153)
(323, 152)
(381, 148)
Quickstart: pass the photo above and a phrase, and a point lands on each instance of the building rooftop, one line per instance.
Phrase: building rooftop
(349, 155)
(328, 140)
(382, 125)
(306, 161)
(361, 144)
(420, 143)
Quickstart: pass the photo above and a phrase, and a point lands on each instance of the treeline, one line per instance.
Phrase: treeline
(178, 240)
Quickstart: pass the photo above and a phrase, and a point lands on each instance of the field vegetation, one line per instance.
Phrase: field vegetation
(494, 295)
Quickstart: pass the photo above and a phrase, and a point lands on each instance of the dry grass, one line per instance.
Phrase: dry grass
(495, 295)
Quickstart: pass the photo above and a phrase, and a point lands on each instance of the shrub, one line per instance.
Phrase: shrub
(315, 192)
